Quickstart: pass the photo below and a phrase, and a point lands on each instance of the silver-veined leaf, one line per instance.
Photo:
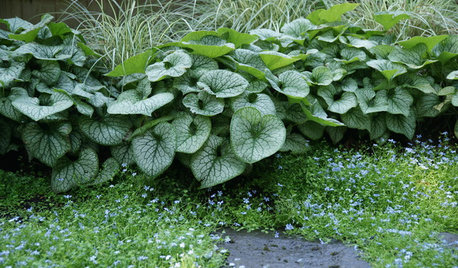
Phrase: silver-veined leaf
(355, 118)
(254, 136)
(11, 73)
(337, 100)
(388, 69)
(222, 83)
(216, 163)
(109, 169)
(123, 153)
(378, 126)
(203, 104)
(174, 65)
(191, 131)
(320, 75)
(49, 72)
(292, 84)
(46, 144)
(399, 101)
(155, 149)
(261, 102)
(414, 58)
(67, 174)
(110, 130)
(297, 27)
(401, 124)
(131, 102)
(295, 143)
(35, 109)
(371, 101)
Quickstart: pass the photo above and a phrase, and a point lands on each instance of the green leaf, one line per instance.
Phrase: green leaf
(43, 52)
(135, 64)
(131, 102)
(456, 129)
(371, 101)
(292, 84)
(297, 27)
(361, 43)
(155, 149)
(254, 136)
(401, 124)
(355, 118)
(332, 14)
(390, 18)
(236, 38)
(109, 169)
(45, 142)
(110, 130)
(261, 102)
(389, 69)
(274, 60)
(320, 75)
(378, 126)
(192, 132)
(205, 43)
(123, 153)
(16, 24)
(447, 49)
(336, 133)
(10, 73)
(337, 100)
(417, 82)
(37, 110)
(425, 105)
(350, 55)
(414, 58)
(399, 101)
(203, 104)
(49, 72)
(29, 34)
(5, 136)
(317, 114)
(381, 51)
(222, 83)
(67, 174)
(312, 130)
(455, 99)
(453, 75)
(174, 65)
(202, 64)
(215, 163)
(295, 143)
(430, 41)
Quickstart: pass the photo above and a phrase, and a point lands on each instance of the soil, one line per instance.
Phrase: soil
(257, 249)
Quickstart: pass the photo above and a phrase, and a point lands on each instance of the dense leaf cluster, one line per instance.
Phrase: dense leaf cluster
(218, 101)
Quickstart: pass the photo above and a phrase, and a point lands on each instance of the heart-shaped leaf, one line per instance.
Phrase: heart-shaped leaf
(192, 132)
(401, 124)
(355, 118)
(123, 153)
(351, 54)
(110, 130)
(399, 101)
(254, 136)
(389, 18)
(378, 126)
(297, 27)
(131, 102)
(174, 65)
(295, 143)
(109, 169)
(135, 64)
(49, 72)
(425, 105)
(67, 174)
(292, 84)
(155, 149)
(202, 64)
(222, 83)
(10, 73)
(36, 109)
(320, 75)
(203, 104)
(429, 41)
(261, 102)
(446, 49)
(389, 69)
(8, 110)
(337, 100)
(312, 130)
(216, 163)
(414, 58)
(274, 60)
(45, 142)
(332, 14)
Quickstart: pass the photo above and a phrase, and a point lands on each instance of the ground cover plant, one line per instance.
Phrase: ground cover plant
(390, 201)
(218, 101)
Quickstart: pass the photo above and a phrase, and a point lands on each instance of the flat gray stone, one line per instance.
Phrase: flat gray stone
(257, 249)
(451, 240)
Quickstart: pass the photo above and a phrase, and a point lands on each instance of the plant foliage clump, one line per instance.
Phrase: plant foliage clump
(222, 100)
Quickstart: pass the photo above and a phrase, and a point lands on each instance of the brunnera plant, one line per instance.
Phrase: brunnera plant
(218, 101)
